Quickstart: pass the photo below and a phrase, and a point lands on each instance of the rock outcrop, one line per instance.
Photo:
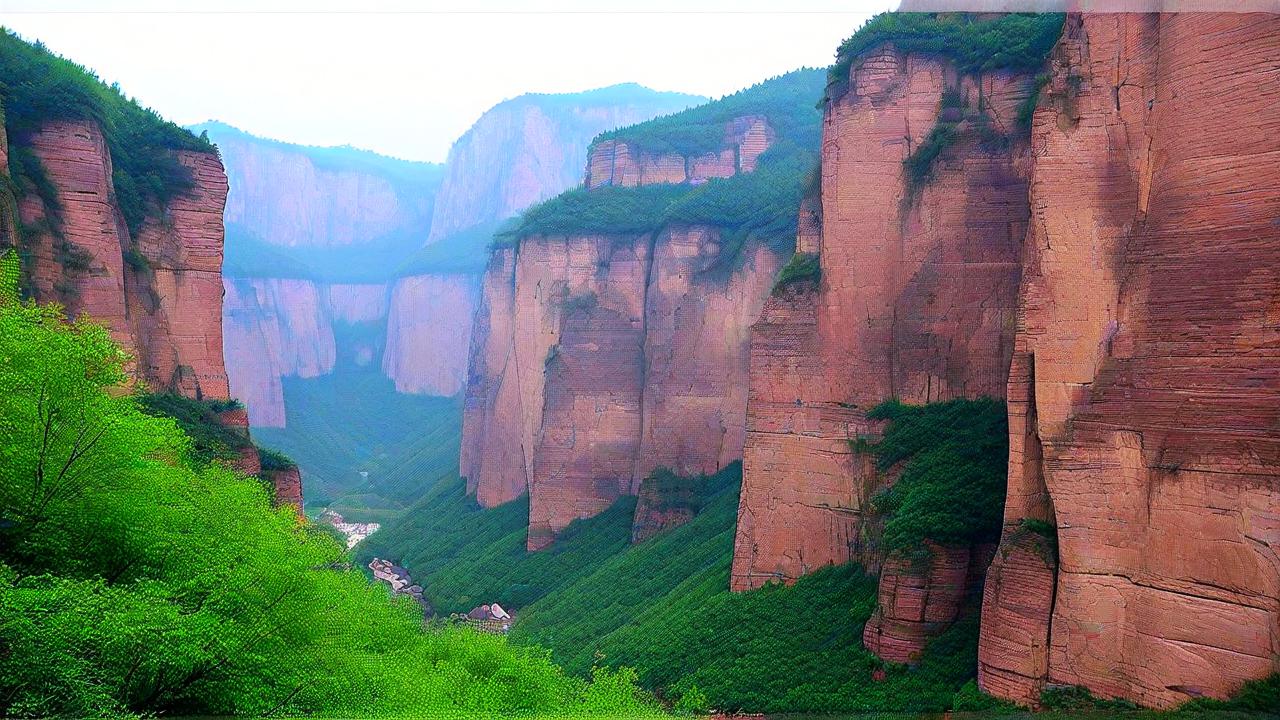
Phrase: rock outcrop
(160, 293)
(586, 349)
(624, 164)
(533, 147)
(1146, 370)
(286, 485)
(915, 301)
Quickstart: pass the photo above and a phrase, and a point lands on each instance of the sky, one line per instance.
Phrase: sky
(407, 78)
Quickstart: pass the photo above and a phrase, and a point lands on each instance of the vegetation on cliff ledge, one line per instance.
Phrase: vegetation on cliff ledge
(976, 44)
(759, 206)
(135, 579)
(40, 87)
(953, 458)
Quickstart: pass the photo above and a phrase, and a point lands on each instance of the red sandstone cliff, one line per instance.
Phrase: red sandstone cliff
(1145, 390)
(915, 301)
(590, 354)
(621, 163)
(163, 307)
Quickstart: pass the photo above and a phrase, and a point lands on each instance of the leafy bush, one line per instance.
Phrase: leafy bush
(133, 581)
(1077, 697)
(136, 260)
(40, 87)
(271, 460)
(800, 268)
(210, 439)
(976, 44)
(952, 486)
(1256, 696)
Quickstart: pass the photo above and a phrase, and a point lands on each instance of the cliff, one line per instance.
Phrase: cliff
(611, 340)
(159, 290)
(913, 299)
(1145, 375)
(597, 360)
(529, 148)
(628, 164)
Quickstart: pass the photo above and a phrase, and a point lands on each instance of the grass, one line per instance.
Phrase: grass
(953, 459)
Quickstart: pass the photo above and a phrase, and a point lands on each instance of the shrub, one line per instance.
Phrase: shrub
(270, 460)
(210, 439)
(1078, 697)
(141, 583)
(919, 165)
(801, 267)
(136, 260)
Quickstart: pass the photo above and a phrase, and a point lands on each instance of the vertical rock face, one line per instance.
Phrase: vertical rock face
(916, 300)
(286, 485)
(429, 318)
(1146, 373)
(621, 163)
(164, 306)
(591, 353)
(274, 328)
(532, 147)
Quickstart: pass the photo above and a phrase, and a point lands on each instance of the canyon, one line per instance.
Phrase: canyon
(323, 269)
(1092, 245)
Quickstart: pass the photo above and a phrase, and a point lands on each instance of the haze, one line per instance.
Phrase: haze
(406, 79)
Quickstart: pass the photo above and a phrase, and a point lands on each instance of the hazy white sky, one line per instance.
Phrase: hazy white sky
(406, 78)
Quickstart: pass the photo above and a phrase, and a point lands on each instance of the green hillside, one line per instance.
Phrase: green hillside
(344, 424)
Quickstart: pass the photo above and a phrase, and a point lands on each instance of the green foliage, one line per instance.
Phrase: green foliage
(1077, 697)
(353, 421)
(40, 87)
(975, 43)
(1260, 696)
(478, 556)
(971, 698)
(136, 260)
(210, 438)
(611, 210)
(692, 702)
(133, 581)
(1027, 108)
(919, 165)
(10, 276)
(760, 206)
(785, 101)
(952, 485)
(800, 268)
(272, 460)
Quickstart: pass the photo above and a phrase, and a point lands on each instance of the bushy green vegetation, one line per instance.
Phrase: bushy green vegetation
(40, 87)
(136, 579)
(353, 421)
(608, 210)
(210, 439)
(920, 164)
(478, 556)
(760, 206)
(1015, 41)
(272, 460)
(785, 101)
(800, 268)
(954, 458)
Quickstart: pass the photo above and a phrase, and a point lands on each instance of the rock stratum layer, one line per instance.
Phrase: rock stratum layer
(1145, 388)
(598, 359)
(915, 301)
(163, 306)
(623, 164)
